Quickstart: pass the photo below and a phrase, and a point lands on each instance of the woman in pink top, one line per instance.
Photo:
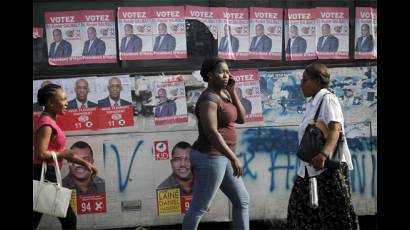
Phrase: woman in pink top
(48, 138)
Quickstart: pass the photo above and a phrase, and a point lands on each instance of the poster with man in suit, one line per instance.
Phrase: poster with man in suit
(300, 34)
(233, 33)
(115, 104)
(265, 33)
(135, 33)
(82, 111)
(248, 90)
(365, 42)
(63, 32)
(169, 34)
(332, 33)
(98, 34)
(170, 104)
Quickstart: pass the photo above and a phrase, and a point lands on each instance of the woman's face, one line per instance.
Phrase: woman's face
(220, 75)
(59, 102)
(309, 85)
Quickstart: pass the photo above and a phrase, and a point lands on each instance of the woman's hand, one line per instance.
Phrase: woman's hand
(318, 162)
(237, 167)
(66, 154)
(231, 87)
(91, 168)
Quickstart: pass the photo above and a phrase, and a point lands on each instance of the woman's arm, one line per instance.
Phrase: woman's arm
(42, 142)
(209, 122)
(318, 161)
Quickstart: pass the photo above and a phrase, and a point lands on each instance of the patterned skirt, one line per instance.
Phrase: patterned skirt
(335, 209)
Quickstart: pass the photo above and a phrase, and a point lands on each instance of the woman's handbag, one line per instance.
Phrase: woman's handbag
(49, 197)
(314, 139)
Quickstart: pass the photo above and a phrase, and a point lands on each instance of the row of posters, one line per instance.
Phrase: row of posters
(83, 37)
(107, 102)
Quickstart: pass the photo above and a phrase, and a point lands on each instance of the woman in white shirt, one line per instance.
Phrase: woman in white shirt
(335, 210)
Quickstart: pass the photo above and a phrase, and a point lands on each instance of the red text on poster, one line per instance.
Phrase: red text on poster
(161, 150)
(185, 203)
(91, 203)
(116, 117)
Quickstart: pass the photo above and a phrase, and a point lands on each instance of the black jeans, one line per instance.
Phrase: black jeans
(70, 221)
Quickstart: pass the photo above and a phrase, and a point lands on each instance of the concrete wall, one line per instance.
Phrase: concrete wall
(125, 157)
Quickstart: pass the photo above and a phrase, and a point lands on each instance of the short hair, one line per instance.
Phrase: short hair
(162, 89)
(326, 25)
(82, 145)
(58, 30)
(366, 25)
(319, 72)
(128, 25)
(163, 24)
(181, 145)
(45, 93)
(113, 78)
(261, 26)
(209, 65)
(92, 28)
(294, 27)
(81, 79)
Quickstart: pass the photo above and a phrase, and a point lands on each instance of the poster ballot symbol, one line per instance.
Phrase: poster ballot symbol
(161, 150)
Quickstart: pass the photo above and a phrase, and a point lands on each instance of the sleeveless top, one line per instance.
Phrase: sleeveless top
(226, 116)
(57, 140)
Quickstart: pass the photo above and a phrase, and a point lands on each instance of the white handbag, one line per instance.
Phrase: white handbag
(49, 197)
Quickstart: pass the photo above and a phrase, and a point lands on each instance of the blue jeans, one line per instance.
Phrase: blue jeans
(213, 172)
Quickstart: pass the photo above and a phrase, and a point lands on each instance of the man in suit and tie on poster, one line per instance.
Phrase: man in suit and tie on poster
(247, 104)
(93, 46)
(296, 44)
(165, 106)
(60, 48)
(260, 42)
(131, 43)
(365, 42)
(113, 99)
(327, 42)
(80, 101)
(228, 42)
(164, 41)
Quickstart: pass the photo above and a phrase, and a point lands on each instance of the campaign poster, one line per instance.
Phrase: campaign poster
(89, 193)
(37, 84)
(283, 102)
(332, 33)
(206, 15)
(38, 32)
(169, 34)
(170, 103)
(82, 104)
(248, 91)
(98, 36)
(233, 33)
(115, 108)
(168, 202)
(161, 150)
(300, 34)
(265, 38)
(135, 33)
(366, 31)
(64, 42)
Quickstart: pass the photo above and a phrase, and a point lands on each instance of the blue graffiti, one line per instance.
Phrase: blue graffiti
(122, 184)
(279, 143)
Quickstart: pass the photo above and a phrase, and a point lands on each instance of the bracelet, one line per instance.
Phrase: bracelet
(324, 154)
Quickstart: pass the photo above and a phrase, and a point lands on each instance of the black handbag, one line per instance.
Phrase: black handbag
(313, 141)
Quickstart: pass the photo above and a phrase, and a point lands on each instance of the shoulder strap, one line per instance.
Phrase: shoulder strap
(318, 108)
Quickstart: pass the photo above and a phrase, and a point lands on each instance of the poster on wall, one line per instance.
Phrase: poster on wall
(265, 33)
(174, 193)
(332, 33)
(248, 91)
(37, 84)
(206, 15)
(98, 36)
(82, 104)
(233, 33)
(89, 196)
(115, 107)
(366, 33)
(300, 34)
(170, 103)
(169, 34)
(283, 102)
(37, 32)
(64, 42)
(135, 33)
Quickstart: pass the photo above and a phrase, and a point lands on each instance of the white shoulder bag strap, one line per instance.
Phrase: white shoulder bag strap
(57, 169)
